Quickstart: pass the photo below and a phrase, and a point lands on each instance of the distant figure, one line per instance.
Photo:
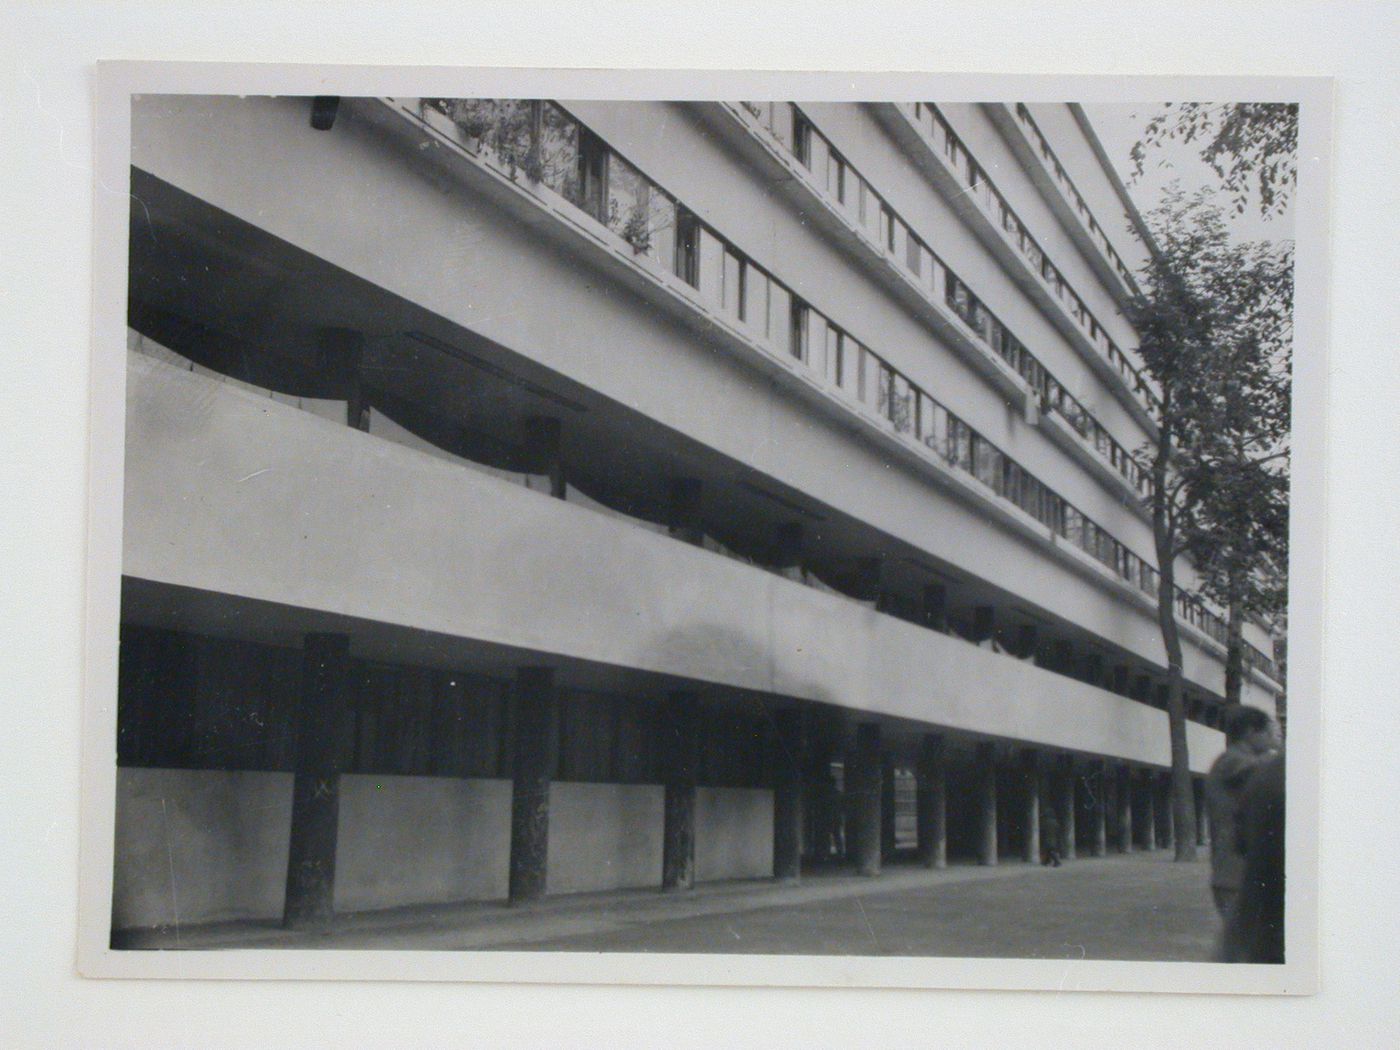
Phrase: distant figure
(1254, 930)
(1250, 738)
(1049, 837)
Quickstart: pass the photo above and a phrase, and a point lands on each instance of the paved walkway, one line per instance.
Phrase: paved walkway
(1142, 906)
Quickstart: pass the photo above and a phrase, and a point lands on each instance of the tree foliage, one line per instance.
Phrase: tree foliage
(1214, 321)
(1251, 146)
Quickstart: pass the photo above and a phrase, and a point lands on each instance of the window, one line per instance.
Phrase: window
(559, 163)
(835, 352)
(593, 175)
(687, 246)
(628, 193)
(711, 268)
(816, 341)
(661, 232)
(801, 138)
(797, 327)
(756, 298)
(780, 318)
(869, 379)
(733, 285)
(781, 123)
(959, 449)
(851, 352)
(913, 256)
(836, 178)
(901, 405)
(886, 227)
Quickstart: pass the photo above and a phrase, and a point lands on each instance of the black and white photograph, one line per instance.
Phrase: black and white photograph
(701, 527)
(760, 525)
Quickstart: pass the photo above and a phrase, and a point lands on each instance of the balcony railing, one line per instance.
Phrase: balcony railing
(847, 191)
(944, 144)
(553, 148)
(1074, 197)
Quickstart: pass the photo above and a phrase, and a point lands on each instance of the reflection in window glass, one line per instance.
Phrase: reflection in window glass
(559, 152)
(627, 201)
(901, 405)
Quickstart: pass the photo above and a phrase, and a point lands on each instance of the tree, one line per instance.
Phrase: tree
(1214, 336)
(1252, 146)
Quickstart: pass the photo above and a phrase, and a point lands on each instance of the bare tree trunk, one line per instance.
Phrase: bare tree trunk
(1234, 637)
(1183, 799)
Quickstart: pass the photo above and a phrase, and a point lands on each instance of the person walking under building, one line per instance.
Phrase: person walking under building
(1250, 738)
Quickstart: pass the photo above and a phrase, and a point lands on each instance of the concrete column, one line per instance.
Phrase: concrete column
(986, 773)
(933, 802)
(1030, 812)
(870, 574)
(1064, 805)
(310, 892)
(683, 517)
(1166, 819)
(536, 747)
(984, 623)
(1093, 669)
(887, 803)
(787, 548)
(865, 786)
(1124, 792)
(679, 759)
(1099, 780)
(787, 796)
(544, 449)
(1119, 680)
(1064, 657)
(1198, 800)
(340, 353)
(1148, 821)
(936, 607)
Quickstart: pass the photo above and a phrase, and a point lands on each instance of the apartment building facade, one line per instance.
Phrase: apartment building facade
(529, 497)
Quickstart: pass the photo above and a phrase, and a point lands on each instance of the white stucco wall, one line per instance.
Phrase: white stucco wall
(240, 495)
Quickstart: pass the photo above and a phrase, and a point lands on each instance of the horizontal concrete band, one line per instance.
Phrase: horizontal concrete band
(235, 494)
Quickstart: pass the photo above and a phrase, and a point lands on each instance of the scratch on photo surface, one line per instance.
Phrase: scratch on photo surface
(249, 477)
(866, 919)
(1064, 976)
(170, 864)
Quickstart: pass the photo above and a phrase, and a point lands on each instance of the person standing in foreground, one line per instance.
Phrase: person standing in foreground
(1250, 738)
(1254, 929)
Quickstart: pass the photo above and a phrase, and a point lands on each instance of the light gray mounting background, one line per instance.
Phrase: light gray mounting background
(44, 376)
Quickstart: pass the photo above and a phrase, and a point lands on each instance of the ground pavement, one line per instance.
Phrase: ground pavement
(1140, 906)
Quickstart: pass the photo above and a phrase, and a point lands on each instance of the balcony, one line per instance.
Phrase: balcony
(980, 206)
(1024, 137)
(925, 293)
(289, 523)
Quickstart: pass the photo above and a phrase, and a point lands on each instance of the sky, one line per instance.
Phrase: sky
(1120, 125)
